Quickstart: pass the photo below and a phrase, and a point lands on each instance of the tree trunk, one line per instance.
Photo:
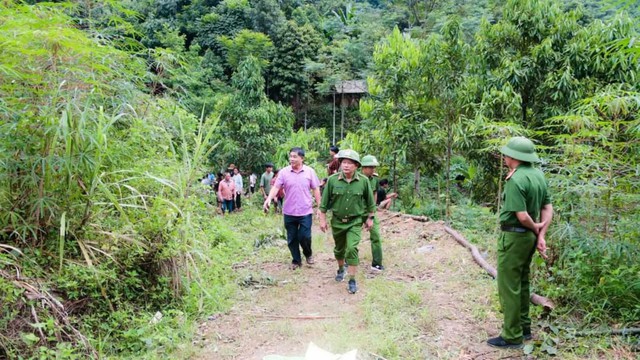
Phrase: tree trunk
(499, 199)
(395, 175)
(448, 172)
(416, 182)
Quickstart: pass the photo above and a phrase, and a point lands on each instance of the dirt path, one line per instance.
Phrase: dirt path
(432, 301)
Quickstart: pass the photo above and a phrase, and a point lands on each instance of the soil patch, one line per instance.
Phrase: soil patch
(432, 301)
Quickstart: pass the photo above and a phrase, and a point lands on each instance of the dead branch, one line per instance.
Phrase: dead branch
(298, 317)
(37, 321)
(391, 217)
(535, 298)
(60, 316)
(378, 357)
(416, 217)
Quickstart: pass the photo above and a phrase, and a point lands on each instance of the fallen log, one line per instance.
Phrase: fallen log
(406, 216)
(535, 298)
(298, 317)
(390, 217)
(416, 217)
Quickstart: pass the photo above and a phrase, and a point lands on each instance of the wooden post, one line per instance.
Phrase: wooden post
(342, 115)
(334, 115)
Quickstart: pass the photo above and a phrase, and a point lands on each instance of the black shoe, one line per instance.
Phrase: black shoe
(352, 286)
(340, 275)
(526, 334)
(499, 342)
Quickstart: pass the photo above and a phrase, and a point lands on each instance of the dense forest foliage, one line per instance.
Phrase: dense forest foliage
(112, 110)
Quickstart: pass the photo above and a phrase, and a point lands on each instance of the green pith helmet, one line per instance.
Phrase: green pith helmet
(369, 160)
(520, 148)
(349, 154)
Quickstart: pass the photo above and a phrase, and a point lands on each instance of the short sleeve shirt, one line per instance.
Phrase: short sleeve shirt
(265, 181)
(526, 190)
(374, 180)
(346, 199)
(297, 186)
(382, 195)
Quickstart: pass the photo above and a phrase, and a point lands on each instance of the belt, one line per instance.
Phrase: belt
(516, 229)
(346, 219)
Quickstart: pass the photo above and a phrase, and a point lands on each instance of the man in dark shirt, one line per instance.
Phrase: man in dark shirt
(383, 200)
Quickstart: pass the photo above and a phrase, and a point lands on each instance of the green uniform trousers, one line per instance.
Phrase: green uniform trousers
(515, 251)
(376, 242)
(346, 236)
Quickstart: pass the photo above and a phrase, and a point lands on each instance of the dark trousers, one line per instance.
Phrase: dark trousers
(298, 235)
(238, 200)
(227, 205)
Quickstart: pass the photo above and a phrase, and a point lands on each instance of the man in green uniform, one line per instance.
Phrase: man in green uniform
(349, 196)
(369, 163)
(524, 219)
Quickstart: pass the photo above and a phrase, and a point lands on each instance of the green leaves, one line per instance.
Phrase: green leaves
(247, 43)
(250, 121)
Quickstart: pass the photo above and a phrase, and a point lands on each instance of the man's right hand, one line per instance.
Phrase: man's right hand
(542, 247)
(266, 204)
(323, 226)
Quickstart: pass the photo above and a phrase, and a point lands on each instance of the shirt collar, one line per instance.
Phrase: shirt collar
(356, 175)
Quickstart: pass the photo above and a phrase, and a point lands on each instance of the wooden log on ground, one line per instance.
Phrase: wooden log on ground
(394, 214)
(416, 217)
(535, 298)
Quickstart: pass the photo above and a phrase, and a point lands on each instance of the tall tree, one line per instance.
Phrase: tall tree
(394, 114)
(295, 47)
(251, 125)
(266, 16)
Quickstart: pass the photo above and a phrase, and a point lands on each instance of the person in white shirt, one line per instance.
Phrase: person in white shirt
(237, 179)
(253, 179)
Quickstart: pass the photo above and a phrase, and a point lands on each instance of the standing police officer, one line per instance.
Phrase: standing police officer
(349, 196)
(369, 163)
(524, 219)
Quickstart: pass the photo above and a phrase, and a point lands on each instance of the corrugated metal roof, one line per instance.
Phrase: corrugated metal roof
(352, 87)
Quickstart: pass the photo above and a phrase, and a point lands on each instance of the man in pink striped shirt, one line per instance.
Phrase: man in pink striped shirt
(298, 181)
(226, 192)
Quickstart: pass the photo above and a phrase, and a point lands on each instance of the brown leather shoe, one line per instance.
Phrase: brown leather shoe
(311, 260)
(295, 266)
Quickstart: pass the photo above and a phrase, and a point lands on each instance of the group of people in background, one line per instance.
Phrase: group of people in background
(228, 188)
(353, 193)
